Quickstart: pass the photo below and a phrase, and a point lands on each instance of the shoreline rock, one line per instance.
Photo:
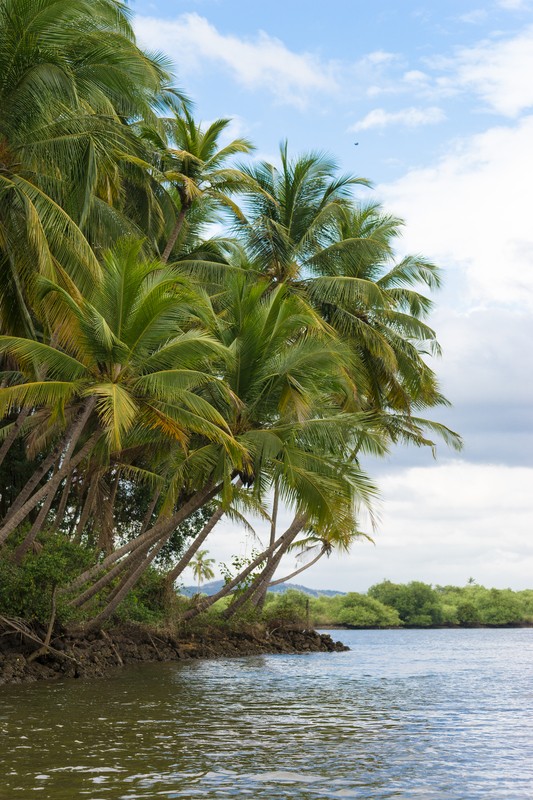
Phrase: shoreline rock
(97, 655)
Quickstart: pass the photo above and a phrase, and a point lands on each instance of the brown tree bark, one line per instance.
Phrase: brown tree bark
(68, 463)
(180, 219)
(15, 430)
(287, 537)
(161, 528)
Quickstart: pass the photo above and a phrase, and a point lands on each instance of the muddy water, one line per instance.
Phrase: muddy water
(406, 714)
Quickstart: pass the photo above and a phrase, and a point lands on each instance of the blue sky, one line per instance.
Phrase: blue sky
(439, 98)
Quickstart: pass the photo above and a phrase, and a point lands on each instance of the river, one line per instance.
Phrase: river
(410, 715)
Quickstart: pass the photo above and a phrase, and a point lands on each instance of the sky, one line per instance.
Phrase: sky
(434, 104)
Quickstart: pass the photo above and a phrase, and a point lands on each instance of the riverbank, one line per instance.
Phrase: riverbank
(96, 655)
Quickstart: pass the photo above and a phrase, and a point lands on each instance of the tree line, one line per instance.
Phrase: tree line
(412, 605)
(186, 332)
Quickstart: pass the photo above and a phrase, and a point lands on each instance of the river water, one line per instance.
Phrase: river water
(437, 715)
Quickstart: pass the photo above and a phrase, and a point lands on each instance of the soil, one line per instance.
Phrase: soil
(22, 659)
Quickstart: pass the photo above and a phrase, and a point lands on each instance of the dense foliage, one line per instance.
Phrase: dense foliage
(153, 377)
(415, 605)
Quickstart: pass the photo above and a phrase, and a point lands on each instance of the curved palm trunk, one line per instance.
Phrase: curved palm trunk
(35, 480)
(105, 539)
(63, 501)
(297, 571)
(196, 544)
(176, 571)
(287, 537)
(106, 579)
(260, 601)
(256, 592)
(36, 528)
(86, 510)
(68, 463)
(127, 584)
(180, 219)
(15, 430)
(161, 528)
(150, 510)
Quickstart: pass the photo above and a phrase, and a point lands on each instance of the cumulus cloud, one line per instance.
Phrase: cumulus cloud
(407, 117)
(440, 524)
(472, 212)
(497, 70)
(259, 62)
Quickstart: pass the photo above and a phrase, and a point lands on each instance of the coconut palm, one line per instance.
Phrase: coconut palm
(202, 567)
(117, 368)
(190, 163)
(71, 75)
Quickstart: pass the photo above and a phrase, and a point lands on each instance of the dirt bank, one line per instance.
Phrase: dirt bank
(95, 655)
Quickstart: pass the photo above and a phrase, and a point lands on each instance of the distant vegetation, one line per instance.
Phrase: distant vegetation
(415, 604)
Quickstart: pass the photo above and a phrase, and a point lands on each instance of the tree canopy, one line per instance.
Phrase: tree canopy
(154, 376)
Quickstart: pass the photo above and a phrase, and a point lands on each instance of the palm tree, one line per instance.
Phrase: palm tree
(117, 369)
(201, 567)
(306, 231)
(190, 163)
(71, 75)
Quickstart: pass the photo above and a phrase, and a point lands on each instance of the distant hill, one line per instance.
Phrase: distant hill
(215, 586)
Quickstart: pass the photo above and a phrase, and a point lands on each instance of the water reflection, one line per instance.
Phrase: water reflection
(405, 714)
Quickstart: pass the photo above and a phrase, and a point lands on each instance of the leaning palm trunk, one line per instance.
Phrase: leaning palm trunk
(176, 571)
(260, 599)
(287, 537)
(296, 572)
(110, 576)
(150, 510)
(259, 586)
(202, 536)
(68, 464)
(86, 510)
(36, 528)
(175, 232)
(127, 584)
(35, 480)
(60, 513)
(15, 430)
(150, 537)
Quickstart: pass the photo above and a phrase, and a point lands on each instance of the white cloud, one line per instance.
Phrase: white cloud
(498, 71)
(514, 5)
(408, 117)
(440, 524)
(261, 62)
(472, 212)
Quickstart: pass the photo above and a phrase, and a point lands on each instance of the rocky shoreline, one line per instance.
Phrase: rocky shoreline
(22, 660)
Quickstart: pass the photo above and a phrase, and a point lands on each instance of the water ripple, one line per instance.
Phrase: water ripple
(409, 715)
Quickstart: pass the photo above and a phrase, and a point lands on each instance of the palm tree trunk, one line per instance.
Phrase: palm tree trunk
(68, 463)
(176, 571)
(297, 571)
(261, 600)
(259, 586)
(87, 508)
(63, 501)
(127, 584)
(36, 528)
(105, 539)
(106, 579)
(180, 219)
(161, 528)
(150, 510)
(286, 538)
(15, 430)
(34, 481)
